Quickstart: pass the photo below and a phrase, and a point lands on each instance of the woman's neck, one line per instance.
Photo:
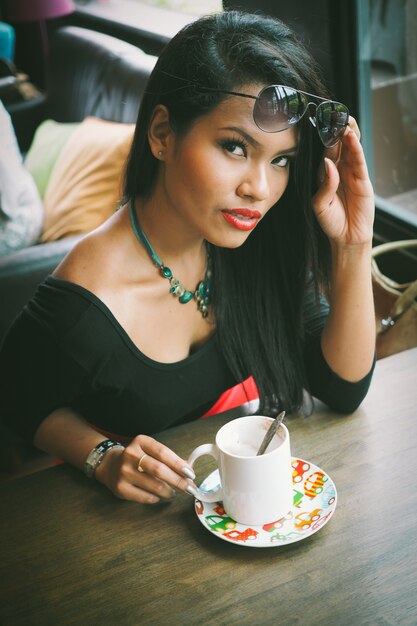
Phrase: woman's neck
(171, 237)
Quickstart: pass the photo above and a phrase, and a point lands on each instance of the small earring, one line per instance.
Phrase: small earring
(160, 153)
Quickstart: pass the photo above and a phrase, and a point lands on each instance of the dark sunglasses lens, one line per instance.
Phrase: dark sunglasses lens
(277, 108)
(332, 119)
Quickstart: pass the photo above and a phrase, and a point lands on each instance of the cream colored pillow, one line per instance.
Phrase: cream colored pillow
(85, 185)
(48, 142)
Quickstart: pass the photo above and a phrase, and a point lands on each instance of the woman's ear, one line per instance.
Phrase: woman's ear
(159, 132)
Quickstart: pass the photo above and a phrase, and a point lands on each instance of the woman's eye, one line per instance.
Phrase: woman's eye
(282, 161)
(234, 147)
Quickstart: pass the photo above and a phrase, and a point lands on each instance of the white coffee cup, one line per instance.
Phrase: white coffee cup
(255, 490)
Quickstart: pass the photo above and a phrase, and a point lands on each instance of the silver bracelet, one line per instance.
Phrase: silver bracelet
(97, 455)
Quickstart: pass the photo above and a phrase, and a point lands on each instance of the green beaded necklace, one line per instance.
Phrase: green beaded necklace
(201, 294)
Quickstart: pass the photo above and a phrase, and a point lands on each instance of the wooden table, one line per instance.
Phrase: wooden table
(71, 553)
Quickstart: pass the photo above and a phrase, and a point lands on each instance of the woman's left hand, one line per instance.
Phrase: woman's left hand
(344, 203)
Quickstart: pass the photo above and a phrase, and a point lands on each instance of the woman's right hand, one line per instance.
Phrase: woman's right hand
(163, 472)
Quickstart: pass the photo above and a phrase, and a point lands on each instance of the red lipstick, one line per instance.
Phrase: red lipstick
(242, 219)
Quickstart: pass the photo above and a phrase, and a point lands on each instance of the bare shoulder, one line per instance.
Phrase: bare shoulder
(93, 261)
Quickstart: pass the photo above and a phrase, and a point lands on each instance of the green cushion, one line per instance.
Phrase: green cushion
(47, 144)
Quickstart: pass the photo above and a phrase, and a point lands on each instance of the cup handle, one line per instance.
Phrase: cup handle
(210, 449)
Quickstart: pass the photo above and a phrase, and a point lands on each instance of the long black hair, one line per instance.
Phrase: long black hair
(258, 288)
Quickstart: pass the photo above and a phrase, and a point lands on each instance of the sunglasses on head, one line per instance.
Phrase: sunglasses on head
(278, 107)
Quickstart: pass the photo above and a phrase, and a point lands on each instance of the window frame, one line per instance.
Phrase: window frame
(403, 222)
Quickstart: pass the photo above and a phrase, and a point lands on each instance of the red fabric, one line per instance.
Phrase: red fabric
(242, 393)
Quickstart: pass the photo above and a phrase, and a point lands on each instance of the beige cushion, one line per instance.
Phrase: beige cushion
(85, 185)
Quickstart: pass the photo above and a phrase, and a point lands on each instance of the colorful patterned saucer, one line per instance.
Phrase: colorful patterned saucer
(314, 503)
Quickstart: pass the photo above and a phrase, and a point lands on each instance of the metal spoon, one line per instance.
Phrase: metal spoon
(270, 433)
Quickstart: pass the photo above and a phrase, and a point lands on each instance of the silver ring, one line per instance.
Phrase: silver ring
(140, 468)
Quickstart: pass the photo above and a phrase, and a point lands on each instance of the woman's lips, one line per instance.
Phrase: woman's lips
(242, 219)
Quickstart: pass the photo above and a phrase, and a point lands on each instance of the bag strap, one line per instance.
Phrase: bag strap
(406, 292)
(404, 301)
(387, 283)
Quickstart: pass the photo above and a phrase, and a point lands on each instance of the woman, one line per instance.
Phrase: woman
(226, 182)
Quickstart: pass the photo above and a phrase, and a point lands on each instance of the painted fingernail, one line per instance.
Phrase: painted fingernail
(188, 472)
(192, 491)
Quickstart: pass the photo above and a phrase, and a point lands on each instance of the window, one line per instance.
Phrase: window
(162, 18)
(132, 14)
(388, 101)
(193, 7)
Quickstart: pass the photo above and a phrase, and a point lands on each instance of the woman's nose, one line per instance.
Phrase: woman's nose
(254, 184)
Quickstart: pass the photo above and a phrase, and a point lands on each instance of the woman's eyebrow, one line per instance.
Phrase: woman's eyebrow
(253, 141)
(289, 150)
(244, 134)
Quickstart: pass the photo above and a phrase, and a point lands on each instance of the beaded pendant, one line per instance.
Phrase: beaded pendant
(202, 292)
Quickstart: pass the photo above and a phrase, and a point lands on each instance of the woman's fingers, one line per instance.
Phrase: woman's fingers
(151, 471)
(350, 163)
(146, 471)
(160, 480)
(126, 491)
(137, 484)
(326, 193)
(344, 203)
(160, 455)
(353, 125)
(334, 153)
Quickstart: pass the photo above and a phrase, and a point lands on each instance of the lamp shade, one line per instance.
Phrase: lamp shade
(33, 10)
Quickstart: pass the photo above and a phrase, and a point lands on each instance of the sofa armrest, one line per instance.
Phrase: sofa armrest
(22, 271)
(26, 117)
